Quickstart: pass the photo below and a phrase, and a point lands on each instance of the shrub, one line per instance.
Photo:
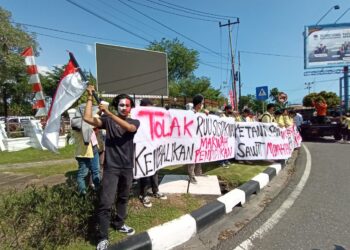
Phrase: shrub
(45, 218)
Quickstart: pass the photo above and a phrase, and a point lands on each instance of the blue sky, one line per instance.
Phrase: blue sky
(272, 27)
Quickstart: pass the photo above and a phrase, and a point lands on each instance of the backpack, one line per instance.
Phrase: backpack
(261, 117)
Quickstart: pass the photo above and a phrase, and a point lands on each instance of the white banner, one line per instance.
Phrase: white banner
(172, 137)
(265, 141)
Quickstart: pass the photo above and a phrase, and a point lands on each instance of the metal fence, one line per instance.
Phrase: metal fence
(14, 126)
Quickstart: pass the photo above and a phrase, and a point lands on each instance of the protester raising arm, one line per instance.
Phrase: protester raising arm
(122, 108)
(94, 121)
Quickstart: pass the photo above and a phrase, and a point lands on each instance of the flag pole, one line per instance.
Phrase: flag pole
(76, 65)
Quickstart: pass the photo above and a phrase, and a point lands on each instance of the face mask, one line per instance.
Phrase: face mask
(124, 107)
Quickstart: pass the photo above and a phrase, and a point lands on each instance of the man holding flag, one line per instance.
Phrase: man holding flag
(119, 162)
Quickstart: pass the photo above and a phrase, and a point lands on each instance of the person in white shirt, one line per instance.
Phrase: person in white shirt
(297, 117)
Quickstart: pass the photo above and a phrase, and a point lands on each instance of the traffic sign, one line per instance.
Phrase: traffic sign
(262, 93)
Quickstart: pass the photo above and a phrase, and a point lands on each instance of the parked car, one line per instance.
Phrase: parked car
(312, 129)
(15, 123)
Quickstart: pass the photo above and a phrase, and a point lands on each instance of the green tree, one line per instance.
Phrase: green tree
(50, 80)
(331, 98)
(274, 97)
(182, 62)
(274, 94)
(195, 85)
(250, 101)
(13, 40)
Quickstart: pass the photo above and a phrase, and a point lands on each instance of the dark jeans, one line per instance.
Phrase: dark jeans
(86, 165)
(114, 181)
(145, 183)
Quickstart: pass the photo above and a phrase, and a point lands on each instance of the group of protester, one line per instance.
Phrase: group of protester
(283, 117)
(104, 141)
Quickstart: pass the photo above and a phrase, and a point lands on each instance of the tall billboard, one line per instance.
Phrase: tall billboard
(131, 71)
(327, 45)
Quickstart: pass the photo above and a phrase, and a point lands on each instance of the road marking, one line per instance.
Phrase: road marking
(282, 210)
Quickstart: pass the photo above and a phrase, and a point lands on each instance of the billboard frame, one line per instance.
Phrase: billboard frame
(306, 36)
(140, 50)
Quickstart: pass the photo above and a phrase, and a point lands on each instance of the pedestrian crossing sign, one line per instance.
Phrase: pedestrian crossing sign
(262, 93)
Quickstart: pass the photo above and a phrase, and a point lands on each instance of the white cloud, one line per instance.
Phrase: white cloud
(90, 49)
(43, 70)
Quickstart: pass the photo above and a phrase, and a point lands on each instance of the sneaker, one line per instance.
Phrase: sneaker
(146, 201)
(126, 230)
(102, 245)
(224, 165)
(202, 175)
(161, 196)
(193, 180)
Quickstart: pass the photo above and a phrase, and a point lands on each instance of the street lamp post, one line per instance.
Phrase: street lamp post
(342, 15)
(336, 7)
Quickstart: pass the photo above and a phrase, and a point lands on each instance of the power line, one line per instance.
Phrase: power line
(268, 54)
(210, 65)
(197, 11)
(72, 33)
(172, 13)
(91, 44)
(167, 27)
(134, 19)
(109, 10)
(108, 21)
(65, 39)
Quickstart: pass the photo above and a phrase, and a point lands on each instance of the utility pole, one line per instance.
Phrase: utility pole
(346, 88)
(234, 87)
(239, 78)
(308, 86)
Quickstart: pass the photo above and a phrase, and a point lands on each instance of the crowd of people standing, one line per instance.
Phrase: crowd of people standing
(115, 146)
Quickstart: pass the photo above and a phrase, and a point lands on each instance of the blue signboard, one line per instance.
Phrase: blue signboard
(262, 93)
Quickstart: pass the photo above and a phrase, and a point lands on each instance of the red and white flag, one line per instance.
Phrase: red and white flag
(69, 89)
(232, 100)
(34, 80)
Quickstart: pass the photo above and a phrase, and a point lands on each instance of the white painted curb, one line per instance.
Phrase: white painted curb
(276, 166)
(263, 179)
(172, 233)
(232, 199)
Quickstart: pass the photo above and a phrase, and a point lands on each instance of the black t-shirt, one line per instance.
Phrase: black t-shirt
(119, 143)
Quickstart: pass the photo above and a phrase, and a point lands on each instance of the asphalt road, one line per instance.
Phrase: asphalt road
(312, 216)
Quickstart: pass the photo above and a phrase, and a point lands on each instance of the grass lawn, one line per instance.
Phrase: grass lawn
(142, 218)
(34, 155)
(44, 171)
(139, 217)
